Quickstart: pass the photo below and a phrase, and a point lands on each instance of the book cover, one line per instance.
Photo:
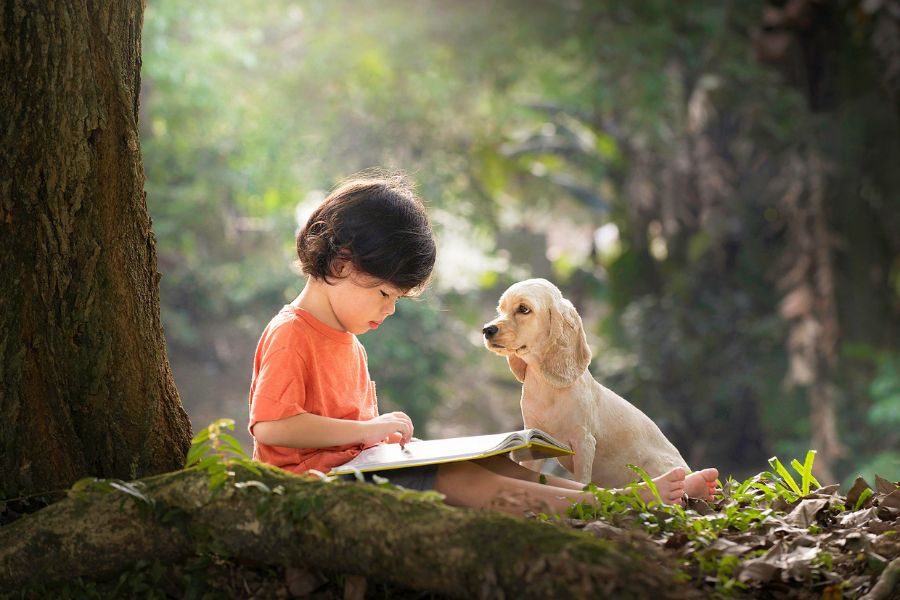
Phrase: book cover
(528, 444)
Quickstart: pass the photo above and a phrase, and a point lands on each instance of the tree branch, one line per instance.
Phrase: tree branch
(385, 534)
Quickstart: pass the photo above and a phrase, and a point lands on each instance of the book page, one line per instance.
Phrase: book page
(427, 451)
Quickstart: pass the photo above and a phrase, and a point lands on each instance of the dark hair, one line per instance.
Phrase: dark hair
(378, 224)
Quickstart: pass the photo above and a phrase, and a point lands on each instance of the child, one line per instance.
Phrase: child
(312, 403)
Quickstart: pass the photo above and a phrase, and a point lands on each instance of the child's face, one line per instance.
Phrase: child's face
(361, 302)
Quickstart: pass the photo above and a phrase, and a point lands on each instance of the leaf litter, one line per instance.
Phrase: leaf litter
(766, 538)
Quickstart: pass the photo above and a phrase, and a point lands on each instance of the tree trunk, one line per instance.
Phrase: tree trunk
(280, 519)
(809, 305)
(85, 385)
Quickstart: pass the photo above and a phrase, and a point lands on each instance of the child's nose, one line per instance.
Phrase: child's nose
(391, 307)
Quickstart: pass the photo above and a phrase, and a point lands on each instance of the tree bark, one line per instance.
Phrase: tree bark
(809, 306)
(85, 385)
(356, 529)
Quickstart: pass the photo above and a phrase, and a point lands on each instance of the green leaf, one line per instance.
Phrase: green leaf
(233, 444)
(805, 471)
(211, 462)
(866, 493)
(647, 481)
(195, 453)
(223, 424)
(785, 475)
(201, 437)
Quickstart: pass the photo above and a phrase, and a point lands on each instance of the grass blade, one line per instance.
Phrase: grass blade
(785, 475)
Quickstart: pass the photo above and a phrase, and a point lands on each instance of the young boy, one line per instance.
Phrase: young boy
(312, 403)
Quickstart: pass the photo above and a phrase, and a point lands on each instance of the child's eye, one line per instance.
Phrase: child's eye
(523, 309)
(383, 294)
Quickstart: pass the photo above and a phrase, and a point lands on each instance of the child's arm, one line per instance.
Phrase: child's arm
(314, 431)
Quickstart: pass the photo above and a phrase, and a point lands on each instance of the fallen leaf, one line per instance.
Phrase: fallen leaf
(858, 518)
(604, 530)
(892, 500)
(883, 486)
(858, 487)
(855, 541)
(804, 514)
(729, 548)
(879, 527)
(757, 570)
(796, 563)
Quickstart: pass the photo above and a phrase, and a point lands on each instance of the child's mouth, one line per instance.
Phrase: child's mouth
(374, 324)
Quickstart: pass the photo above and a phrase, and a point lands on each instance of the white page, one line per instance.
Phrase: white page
(386, 455)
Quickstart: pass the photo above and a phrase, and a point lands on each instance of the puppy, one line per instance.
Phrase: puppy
(541, 335)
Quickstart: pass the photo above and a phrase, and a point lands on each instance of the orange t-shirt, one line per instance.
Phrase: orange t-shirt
(303, 365)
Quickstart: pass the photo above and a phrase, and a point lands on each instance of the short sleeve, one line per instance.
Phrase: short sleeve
(278, 390)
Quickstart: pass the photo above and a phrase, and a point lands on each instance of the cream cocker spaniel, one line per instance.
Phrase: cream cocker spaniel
(541, 335)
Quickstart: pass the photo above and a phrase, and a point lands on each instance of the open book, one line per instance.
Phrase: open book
(529, 444)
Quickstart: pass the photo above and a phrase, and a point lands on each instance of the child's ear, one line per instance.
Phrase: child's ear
(341, 265)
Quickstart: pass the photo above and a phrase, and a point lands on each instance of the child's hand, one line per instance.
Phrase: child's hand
(391, 425)
(393, 438)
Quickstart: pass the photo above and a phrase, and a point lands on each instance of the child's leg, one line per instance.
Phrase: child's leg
(472, 485)
(503, 465)
(699, 484)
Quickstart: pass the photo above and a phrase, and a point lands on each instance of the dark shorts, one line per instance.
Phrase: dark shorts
(412, 478)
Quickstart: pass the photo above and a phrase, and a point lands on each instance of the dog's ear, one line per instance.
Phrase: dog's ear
(517, 366)
(567, 354)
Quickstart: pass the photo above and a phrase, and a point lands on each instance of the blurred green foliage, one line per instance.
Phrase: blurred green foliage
(529, 126)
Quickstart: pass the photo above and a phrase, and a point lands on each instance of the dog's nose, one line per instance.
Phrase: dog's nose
(489, 330)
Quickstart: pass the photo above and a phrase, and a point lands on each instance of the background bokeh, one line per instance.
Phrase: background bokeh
(715, 185)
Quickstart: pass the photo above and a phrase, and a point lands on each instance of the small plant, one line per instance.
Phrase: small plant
(645, 477)
(215, 451)
(804, 470)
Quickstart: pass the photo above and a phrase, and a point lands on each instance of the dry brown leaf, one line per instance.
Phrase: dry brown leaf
(858, 518)
(883, 486)
(856, 490)
(805, 513)
(796, 564)
(828, 490)
(879, 527)
(757, 570)
(856, 541)
(727, 547)
(604, 530)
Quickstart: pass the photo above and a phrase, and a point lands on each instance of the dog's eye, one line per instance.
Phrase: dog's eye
(523, 310)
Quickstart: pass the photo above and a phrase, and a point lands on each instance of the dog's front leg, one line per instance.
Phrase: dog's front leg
(584, 458)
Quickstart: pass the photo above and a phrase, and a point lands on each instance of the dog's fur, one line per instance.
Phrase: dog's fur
(541, 335)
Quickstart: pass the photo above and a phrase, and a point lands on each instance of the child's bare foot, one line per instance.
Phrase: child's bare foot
(701, 484)
(670, 486)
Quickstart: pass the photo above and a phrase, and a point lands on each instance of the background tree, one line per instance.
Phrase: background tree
(85, 385)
